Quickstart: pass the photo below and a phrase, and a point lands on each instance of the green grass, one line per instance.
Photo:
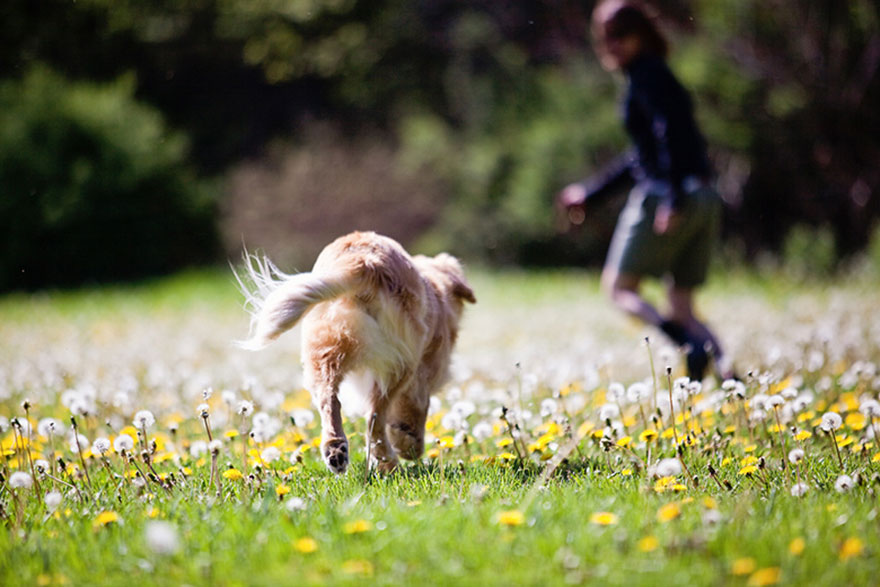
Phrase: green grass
(453, 518)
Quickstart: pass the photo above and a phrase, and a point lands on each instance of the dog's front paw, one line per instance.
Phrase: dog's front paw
(406, 441)
(335, 453)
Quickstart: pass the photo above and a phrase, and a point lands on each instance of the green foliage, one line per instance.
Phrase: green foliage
(94, 186)
(810, 251)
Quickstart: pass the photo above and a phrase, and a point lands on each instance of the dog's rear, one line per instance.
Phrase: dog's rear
(376, 315)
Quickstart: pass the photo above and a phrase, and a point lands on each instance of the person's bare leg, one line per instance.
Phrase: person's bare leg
(623, 289)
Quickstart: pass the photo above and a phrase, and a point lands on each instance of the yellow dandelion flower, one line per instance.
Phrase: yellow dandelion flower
(357, 527)
(668, 512)
(845, 441)
(648, 435)
(153, 513)
(765, 576)
(433, 453)
(231, 434)
(748, 470)
(361, 567)
(796, 547)
(626, 472)
(803, 435)
(679, 487)
(305, 545)
(749, 460)
(511, 518)
(585, 428)
(599, 433)
(856, 421)
(750, 448)
(648, 544)
(446, 442)
(709, 503)
(507, 456)
(232, 474)
(876, 458)
(664, 483)
(105, 518)
(503, 442)
(604, 518)
(742, 566)
(730, 429)
(625, 441)
(851, 547)
(726, 461)
(282, 490)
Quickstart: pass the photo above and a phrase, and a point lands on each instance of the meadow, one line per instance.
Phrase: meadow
(139, 446)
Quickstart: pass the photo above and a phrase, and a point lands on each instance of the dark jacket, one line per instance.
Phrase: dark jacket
(659, 118)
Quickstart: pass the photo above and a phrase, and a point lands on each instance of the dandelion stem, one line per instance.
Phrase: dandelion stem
(836, 449)
(79, 451)
(671, 405)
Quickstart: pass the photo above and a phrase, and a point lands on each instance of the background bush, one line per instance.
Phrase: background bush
(95, 186)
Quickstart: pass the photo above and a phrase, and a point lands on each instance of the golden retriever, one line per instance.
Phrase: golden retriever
(371, 314)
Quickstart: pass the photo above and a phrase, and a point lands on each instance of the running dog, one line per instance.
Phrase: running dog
(375, 316)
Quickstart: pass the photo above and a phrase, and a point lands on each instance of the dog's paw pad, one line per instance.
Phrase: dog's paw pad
(336, 455)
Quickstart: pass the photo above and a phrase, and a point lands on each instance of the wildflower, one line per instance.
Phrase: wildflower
(603, 518)
(851, 547)
(799, 489)
(233, 474)
(357, 527)
(52, 500)
(511, 518)
(295, 504)
(668, 468)
(123, 443)
(20, 480)
(270, 454)
(215, 446)
(245, 408)
(668, 512)
(106, 518)
(870, 408)
(843, 484)
(302, 417)
(795, 455)
(796, 547)
(306, 545)
(101, 446)
(609, 412)
(49, 427)
(144, 419)
(282, 490)
(766, 576)
(803, 435)
(161, 537)
(202, 410)
(648, 544)
(831, 421)
(624, 442)
(77, 442)
(648, 435)
(748, 470)
(637, 392)
(482, 430)
(742, 566)
(711, 517)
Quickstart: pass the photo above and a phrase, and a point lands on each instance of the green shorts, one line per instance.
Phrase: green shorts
(682, 253)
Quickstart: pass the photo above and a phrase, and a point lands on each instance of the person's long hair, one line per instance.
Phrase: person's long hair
(621, 18)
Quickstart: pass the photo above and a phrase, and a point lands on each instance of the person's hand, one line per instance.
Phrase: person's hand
(666, 219)
(570, 202)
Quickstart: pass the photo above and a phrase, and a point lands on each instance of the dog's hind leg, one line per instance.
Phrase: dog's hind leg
(406, 424)
(380, 448)
(324, 387)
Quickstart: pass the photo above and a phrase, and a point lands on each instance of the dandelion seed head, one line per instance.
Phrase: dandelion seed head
(41, 465)
(295, 504)
(144, 419)
(302, 417)
(616, 392)
(245, 408)
(52, 500)
(609, 412)
(161, 537)
(668, 468)
(831, 421)
(101, 446)
(799, 489)
(795, 455)
(20, 480)
(270, 454)
(844, 483)
(49, 427)
(870, 408)
(637, 392)
(123, 442)
(202, 410)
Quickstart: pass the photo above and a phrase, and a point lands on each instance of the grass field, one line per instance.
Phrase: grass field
(753, 484)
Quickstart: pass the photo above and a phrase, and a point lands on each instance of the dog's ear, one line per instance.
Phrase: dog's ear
(452, 267)
(464, 291)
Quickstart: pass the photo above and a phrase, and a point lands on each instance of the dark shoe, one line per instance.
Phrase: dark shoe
(695, 349)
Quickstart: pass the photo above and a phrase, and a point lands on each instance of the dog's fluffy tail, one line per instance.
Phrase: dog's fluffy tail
(277, 301)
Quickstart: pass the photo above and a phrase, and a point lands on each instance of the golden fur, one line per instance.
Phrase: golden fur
(376, 316)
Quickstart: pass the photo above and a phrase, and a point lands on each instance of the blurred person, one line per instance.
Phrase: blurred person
(672, 216)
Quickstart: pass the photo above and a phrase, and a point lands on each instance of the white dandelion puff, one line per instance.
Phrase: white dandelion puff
(123, 442)
(831, 421)
(144, 419)
(799, 489)
(101, 446)
(20, 480)
(796, 455)
(161, 537)
(52, 500)
(844, 483)
(668, 468)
